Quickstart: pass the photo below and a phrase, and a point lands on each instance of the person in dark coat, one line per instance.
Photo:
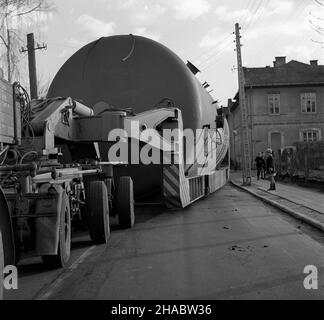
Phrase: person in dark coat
(264, 169)
(260, 163)
(270, 168)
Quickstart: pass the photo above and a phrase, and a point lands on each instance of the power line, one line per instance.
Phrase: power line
(216, 57)
(64, 45)
(215, 63)
(218, 49)
(254, 14)
(247, 9)
(248, 12)
(217, 52)
(262, 13)
(207, 56)
(297, 11)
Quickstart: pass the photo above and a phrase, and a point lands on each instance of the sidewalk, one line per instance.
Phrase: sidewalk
(303, 203)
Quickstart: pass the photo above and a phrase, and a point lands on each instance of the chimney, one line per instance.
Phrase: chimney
(280, 61)
(314, 63)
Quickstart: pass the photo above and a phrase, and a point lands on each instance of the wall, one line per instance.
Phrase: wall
(290, 122)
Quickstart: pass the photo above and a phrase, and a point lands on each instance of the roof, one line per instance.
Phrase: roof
(289, 74)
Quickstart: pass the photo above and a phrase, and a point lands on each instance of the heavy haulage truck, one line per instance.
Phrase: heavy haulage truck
(54, 164)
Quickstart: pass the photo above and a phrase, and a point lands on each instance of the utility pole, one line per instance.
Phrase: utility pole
(246, 157)
(32, 63)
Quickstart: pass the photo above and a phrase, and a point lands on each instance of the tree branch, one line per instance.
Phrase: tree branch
(4, 41)
(316, 26)
(30, 10)
(320, 3)
(319, 42)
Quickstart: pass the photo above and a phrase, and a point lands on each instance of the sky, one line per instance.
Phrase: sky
(197, 30)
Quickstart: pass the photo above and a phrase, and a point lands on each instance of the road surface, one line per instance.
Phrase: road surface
(227, 246)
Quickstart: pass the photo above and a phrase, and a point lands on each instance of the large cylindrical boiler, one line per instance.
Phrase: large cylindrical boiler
(136, 72)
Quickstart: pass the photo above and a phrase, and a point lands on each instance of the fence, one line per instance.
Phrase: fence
(303, 160)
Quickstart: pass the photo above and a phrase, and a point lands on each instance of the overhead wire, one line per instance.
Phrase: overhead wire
(265, 7)
(206, 57)
(254, 14)
(216, 56)
(250, 21)
(219, 50)
(63, 45)
(248, 15)
(247, 12)
(298, 10)
(252, 4)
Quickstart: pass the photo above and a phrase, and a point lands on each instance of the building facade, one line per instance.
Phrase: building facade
(285, 104)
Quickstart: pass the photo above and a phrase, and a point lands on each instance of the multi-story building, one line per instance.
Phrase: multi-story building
(285, 104)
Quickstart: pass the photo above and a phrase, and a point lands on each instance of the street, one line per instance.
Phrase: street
(229, 245)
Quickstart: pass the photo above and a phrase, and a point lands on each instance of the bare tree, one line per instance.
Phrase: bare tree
(13, 14)
(316, 23)
(43, 84)
(320, 2)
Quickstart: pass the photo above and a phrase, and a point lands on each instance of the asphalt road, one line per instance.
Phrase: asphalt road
(227, 246)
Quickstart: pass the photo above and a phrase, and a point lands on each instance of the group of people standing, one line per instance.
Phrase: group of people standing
(265, 166)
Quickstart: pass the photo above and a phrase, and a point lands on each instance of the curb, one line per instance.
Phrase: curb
(300, 216)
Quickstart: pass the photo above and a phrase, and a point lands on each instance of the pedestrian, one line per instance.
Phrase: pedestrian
(270, 169)
(259, 162)
(264, 168)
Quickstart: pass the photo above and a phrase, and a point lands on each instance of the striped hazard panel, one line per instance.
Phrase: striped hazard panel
(175, 187)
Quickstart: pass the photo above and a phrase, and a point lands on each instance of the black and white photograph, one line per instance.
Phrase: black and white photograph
(161, 156)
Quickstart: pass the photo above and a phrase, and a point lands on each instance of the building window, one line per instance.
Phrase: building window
(308, 102)
(274, 103)
(311, 135)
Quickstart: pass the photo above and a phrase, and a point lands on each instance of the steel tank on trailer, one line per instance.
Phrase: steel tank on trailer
(136, 72)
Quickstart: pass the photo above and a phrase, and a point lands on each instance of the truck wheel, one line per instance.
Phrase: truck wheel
(98, 212)
(125, 202)
(8, 237)
(1, 267)
(60, 259)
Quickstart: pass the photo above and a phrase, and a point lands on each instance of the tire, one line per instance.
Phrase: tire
(125, 202)
(64, 246)
(1, 267)
(98, 212)
(8, 236)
